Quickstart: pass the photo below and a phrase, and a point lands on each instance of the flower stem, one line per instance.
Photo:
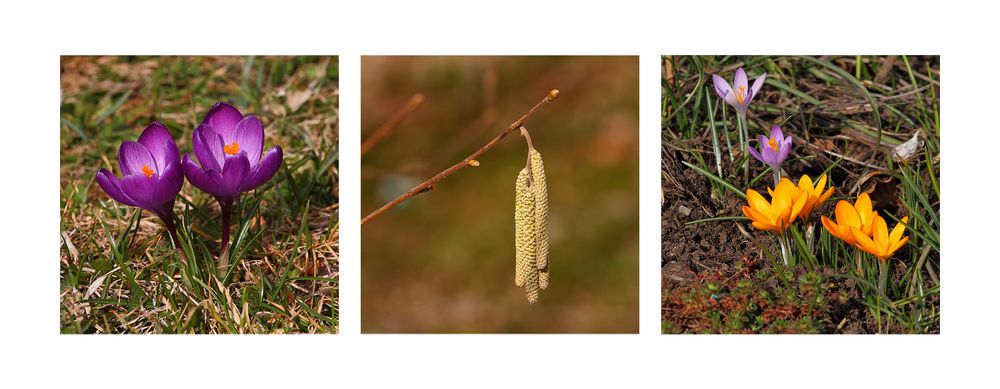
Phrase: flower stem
(745, 139)
(810, 235)
(785, 251)
(172, 231)
(777, 175)
(227, 208)
(883, 274)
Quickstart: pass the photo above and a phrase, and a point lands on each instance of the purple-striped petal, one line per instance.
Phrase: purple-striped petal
(740, 80)
(784, 148)
(208, 148)
(759, 82)
(731, 100)
(223, 119)
(249, 135)
(112, 186)
(197, 177)
(157, 140)
(264, 170)
(722, 87)
(133, 156)
(776, 134)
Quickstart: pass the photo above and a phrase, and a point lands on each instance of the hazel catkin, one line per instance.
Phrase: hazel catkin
(531, 269)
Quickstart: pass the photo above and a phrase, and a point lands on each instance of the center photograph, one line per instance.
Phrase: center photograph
(499, 194)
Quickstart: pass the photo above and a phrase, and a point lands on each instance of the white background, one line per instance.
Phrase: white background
(35, 355)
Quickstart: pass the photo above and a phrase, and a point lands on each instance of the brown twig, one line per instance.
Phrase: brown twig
(429, 184)
(386, 129)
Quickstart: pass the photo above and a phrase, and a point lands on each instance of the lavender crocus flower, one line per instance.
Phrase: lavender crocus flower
(151, 175)
(228, 146)
(739, 94)
(773, 150)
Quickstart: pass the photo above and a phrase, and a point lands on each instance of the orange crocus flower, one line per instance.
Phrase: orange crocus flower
(785, 205)
(814, 193)
(859, 216)
(882, 243)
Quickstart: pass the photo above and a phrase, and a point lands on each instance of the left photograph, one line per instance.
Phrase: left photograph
(199, 195)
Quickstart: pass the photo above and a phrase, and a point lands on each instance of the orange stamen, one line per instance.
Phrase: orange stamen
(740, 94)
(147, 171)
(231, 149)
(773, 144)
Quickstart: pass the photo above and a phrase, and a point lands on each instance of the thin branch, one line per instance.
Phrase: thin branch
(386, 129)
(429, 184)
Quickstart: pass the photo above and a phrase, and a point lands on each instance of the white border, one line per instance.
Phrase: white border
(34, 355)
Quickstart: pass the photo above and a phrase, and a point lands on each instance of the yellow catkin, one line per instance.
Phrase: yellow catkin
(540, 192)
(524, 228)
(543, 278)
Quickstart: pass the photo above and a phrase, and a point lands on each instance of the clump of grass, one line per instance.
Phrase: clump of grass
(847, 115)
(118, 272)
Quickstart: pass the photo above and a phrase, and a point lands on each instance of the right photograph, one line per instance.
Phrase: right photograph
(801, 194)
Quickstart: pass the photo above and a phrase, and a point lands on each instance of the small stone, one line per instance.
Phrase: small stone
(684, 210)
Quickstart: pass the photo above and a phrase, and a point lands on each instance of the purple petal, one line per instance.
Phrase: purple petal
(141, 190)
(132, 157)
(784, 148)
(264, 170)
(731, 100)
(157, 140)
(234, 173)
(770, 156)
(112, 186)
(249, 135)
(755, 154)
(168, 184)
(740, 79)
(759, 82)
(198, 178)
(208, 148)
(223, 119)
(722, 87)
(776, 134)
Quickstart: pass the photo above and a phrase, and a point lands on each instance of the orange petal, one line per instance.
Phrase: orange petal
(880, 233)
(758, 217)
(797, 207)
(898, 245)
(756, 201)
(846, 214)
(837, 230)
(826, 195)
(865, 243)
(766, 227)
(806, 184)
(897, 232)
(864, 204)
(821, 184)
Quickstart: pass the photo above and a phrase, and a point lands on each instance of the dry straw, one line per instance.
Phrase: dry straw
(531, 219)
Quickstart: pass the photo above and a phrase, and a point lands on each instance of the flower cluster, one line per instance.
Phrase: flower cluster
(788, 202)
(861, 226)
(227, 144)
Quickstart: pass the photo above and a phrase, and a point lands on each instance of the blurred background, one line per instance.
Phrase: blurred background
(443, 261)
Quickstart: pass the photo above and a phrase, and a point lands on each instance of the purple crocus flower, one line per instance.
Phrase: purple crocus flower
(151, 174)
(773, 150)
(228, 146)
(740, 93)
